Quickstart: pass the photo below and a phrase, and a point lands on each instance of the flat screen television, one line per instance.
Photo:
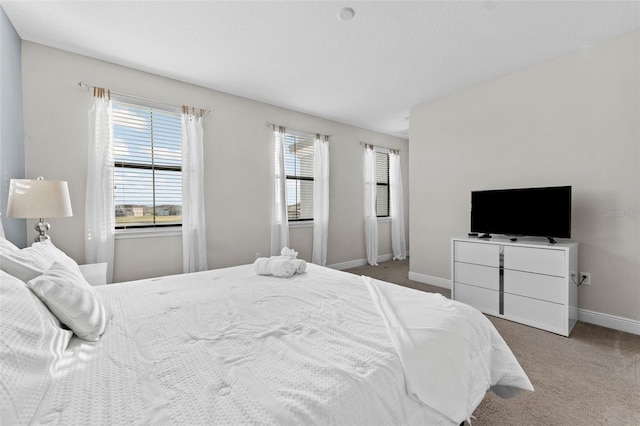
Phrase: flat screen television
(535, 212)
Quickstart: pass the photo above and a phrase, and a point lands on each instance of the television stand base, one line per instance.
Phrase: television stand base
(551, 240)
(485, 236)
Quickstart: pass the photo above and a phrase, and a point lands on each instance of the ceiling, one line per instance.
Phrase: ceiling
(368, 71)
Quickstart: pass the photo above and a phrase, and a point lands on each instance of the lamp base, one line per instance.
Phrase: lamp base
(42, 227)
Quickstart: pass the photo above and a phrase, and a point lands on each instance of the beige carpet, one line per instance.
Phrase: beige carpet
(590, 378)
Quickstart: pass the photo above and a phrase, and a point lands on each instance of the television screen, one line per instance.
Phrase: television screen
(536, 212)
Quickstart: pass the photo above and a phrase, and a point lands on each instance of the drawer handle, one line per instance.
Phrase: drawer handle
(501, 282)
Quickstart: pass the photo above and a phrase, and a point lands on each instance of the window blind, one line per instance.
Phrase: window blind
(148, 166)
(382, 184)
(298, 165)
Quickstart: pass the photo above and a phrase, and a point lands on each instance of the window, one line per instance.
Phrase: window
(148, 166)
(382, 184)
(298, 166)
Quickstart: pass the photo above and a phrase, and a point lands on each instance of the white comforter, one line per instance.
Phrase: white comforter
(467, 348)
(231, 347)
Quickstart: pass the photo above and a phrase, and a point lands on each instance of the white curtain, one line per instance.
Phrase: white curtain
(370, 218)
(279, 220)
(398, 240)
(194, 233)
(99, 201)
(320, 200)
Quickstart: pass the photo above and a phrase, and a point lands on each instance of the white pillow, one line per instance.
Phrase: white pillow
(72, 299)
(31, 262)
(24, 264)
(32, 342)
(51, 253)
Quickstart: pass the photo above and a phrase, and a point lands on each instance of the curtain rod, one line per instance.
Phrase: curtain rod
(377, 146)
(272, 125)
(84, 85)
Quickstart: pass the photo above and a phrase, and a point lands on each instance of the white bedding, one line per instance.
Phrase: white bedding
(230, 347)
(467, 347)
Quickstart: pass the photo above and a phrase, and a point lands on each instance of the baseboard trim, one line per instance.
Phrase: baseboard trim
(360, 262)
(428, 279)
(597, 318)
(348, 265)
(610, 321)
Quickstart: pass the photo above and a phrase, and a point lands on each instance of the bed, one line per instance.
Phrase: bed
(229, 346)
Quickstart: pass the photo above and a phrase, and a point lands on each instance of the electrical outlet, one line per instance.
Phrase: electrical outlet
(586, 276)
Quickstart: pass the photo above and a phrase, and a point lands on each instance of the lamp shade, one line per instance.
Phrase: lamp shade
(38, 198)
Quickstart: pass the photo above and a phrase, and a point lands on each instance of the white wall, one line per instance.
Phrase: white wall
(237, 155)
(574, 120)
(11, 126)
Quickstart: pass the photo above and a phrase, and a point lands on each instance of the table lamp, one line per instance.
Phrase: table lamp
(38, 199)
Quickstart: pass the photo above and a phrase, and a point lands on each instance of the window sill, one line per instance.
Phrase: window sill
(122, 234)
(301, 224)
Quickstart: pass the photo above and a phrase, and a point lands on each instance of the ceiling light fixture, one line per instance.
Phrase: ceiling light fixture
(346, 14)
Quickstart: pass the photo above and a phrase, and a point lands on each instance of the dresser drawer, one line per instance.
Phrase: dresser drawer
(537, 260)
(483, 299)
(477, 275)
(543, 287)
(537, 313)
(478, 253)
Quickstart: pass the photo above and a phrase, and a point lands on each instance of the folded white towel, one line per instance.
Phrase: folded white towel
(261, 266)
(301, 265)
(283, 268)
(277, 266)
(286, 251)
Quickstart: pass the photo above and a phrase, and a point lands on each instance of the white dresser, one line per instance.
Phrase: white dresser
(533, 283)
